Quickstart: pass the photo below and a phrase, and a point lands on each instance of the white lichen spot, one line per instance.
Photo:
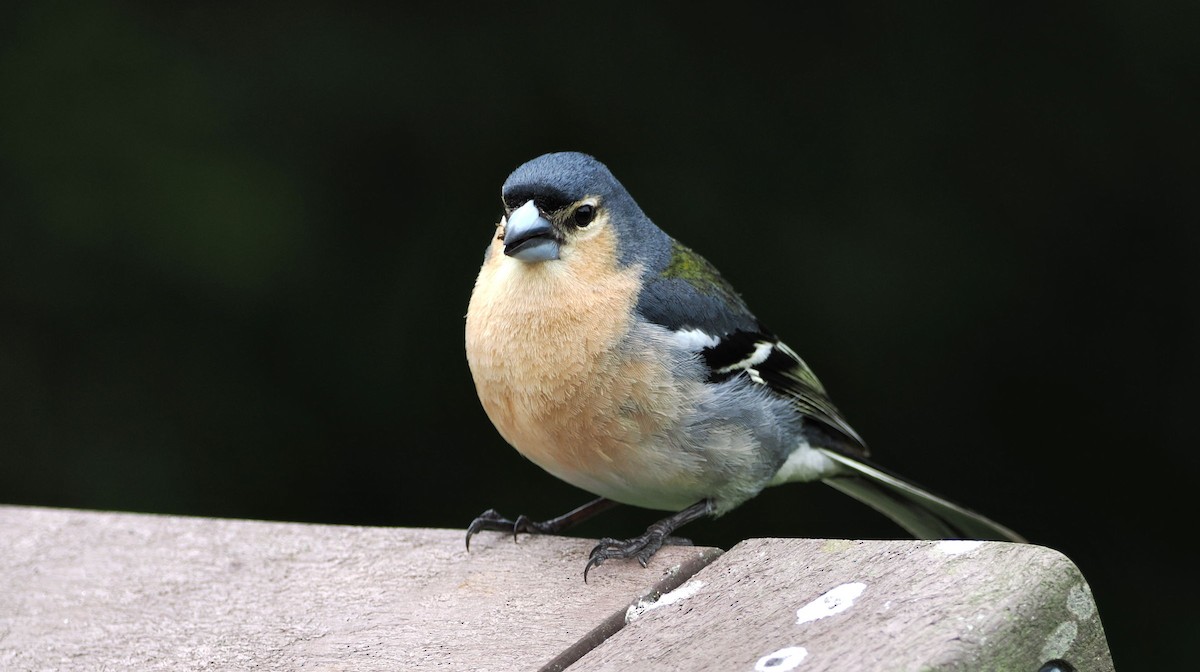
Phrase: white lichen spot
(1059, 642)
(956, 546)
(1080, 602)
(681, 593)
(832, 602)
(836, 545)
(781, 660)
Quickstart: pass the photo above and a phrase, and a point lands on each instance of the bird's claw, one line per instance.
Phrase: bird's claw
(642, 548)
(492, 520)
(524, 524)
(488, 520)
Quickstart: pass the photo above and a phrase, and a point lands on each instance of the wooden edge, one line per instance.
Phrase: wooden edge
(611, 625)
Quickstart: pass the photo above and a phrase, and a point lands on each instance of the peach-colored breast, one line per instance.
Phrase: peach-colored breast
(543, 346)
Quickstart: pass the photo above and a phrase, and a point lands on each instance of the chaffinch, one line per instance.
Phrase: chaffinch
(620, 361)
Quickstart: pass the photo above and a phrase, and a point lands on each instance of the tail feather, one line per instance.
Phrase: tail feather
(921, 513)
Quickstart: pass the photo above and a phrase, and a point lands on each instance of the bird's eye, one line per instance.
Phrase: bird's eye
(584, 215)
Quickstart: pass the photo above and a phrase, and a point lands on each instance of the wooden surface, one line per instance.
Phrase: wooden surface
(109, 591)
(813, 605)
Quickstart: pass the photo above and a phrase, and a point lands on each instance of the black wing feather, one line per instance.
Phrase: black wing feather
(689, 293)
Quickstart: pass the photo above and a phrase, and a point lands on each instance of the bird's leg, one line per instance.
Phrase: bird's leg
(644, 546)
(492, 520)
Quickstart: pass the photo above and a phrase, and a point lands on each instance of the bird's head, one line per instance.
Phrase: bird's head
(555, 204)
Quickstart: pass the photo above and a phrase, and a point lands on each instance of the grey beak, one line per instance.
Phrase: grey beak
(529, 237)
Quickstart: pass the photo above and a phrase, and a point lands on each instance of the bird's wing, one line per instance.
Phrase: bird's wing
(689, 296)
(684, 292)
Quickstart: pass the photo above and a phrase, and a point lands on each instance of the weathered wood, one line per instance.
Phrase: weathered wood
(91, 590)
(810, 605)
(108, 591)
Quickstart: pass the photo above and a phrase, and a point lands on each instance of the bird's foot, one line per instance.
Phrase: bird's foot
(642, 547)
(492, 520)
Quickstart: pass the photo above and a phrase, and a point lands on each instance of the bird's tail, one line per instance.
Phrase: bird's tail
(923, 514)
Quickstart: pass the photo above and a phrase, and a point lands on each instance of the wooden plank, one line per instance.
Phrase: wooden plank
(95, 591)
(781, 604)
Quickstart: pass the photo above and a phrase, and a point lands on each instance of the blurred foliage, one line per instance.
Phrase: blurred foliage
(237, 242)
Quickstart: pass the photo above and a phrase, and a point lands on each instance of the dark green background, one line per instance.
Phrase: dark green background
(236, 249)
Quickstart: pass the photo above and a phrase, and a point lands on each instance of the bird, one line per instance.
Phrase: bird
(622, 362)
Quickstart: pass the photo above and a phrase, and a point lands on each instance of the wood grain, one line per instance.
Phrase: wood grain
(113, 591)
(105, 591)
(814, 605)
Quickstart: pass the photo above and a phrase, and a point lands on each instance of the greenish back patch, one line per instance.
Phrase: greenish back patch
(695, 270)
(690, 267)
